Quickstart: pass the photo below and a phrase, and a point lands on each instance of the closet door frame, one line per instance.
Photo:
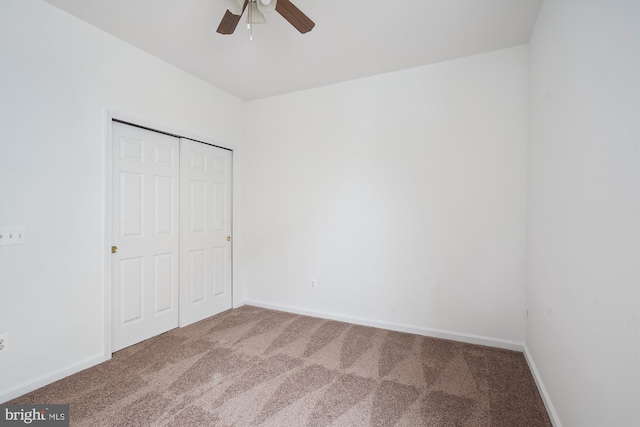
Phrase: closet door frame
(109, 117)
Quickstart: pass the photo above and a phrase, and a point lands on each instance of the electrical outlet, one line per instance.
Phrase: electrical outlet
(4, 343)
(314, 283)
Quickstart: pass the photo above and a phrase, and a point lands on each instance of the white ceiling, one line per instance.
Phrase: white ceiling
(351, 39)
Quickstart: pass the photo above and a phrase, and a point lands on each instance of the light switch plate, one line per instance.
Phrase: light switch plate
(13, 235)
(4, 343)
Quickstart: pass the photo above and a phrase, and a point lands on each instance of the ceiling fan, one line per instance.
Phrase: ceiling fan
(256, 11)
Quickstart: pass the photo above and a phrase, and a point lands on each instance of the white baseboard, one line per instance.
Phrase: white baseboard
(541, 389)
(43, 380)
(434, 333)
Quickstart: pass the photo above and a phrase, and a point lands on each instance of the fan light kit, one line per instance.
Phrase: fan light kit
(256, 9)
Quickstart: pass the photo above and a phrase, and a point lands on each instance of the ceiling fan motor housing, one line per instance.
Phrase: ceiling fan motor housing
(257, 8)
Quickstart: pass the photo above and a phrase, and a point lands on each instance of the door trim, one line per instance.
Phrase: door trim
(112, 115)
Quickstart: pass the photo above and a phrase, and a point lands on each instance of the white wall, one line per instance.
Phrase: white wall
(583, 210)
(402, 194)
(57, 77)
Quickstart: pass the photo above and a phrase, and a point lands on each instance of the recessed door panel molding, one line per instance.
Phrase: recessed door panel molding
(145, 227)
(198, 162)
(132, 202)
(164, 209)
(205, 199)
(220, 206)
(197, 196)
(131, 286)
(198, 274)
(219, 270)
(131, 149)
(165, 281)
(219, 165)
(164, 156)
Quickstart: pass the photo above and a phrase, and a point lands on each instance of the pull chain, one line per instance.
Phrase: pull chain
(250, 23)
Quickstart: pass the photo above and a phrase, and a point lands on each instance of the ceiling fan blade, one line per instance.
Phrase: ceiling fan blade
(294, 15)
(230, 21)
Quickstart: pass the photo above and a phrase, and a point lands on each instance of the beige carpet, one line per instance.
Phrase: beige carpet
(256, 367)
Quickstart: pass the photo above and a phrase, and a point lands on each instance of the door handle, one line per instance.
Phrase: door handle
(228, 238)
(114, 249)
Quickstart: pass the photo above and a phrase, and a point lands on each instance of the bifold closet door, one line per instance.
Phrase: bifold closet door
(145, 234)
(205, 231)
